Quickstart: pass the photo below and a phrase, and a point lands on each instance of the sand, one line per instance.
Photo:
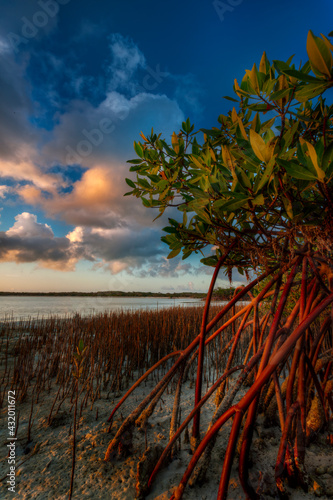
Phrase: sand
(43, 465)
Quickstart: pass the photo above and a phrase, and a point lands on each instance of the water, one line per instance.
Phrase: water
(38, 307)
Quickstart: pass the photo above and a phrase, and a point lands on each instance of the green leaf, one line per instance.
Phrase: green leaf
(243, 178)
(302, 76)
(167, 148)
(231, 205)
(130, 183)
(143, 183)
(135, 162)
(174, 253)
(258, 107)
(210, 261)
(279, 94)
(280, 66)
(138, 149)
(145, 202)
(168, 229)
(327, 157)
(186, 254)
(297, 171)
(135, 168)
(230, 98)
(310, 91)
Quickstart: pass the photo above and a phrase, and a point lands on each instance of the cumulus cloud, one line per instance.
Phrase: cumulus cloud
(30, 241)
(136, 251)
(100, 140)
(73, 169)
(26, 225)
(96, 136)
(113, 249)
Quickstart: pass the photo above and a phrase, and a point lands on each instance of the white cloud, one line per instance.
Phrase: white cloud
(26, 225)
(110, 231)
(126, 59)
(4, 46)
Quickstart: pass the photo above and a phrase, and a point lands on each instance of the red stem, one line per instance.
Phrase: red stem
(277, 317)
(318, 386)
(279, 356)
(187, 421)
(203, 331)
(138, 382)
(283, 443)
(229, 455)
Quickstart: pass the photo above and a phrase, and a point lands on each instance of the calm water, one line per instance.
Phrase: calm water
(34, 307)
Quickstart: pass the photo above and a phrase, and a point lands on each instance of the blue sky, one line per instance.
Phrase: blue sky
(79, 80)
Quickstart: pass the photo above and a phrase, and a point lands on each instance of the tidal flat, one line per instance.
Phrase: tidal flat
(37, 363)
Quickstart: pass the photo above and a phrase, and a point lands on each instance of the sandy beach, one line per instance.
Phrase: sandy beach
(43, 466)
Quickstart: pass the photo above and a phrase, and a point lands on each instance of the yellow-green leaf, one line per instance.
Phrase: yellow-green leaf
(319, 55)
(253, 78)
(174, 253)
(314, 159)
(261, 181)
(259, 200)
(197, 163)
(263, 64)
(242, 129)
(227, 158)
(236, 88)
(258, 146)
(175, 142)
(288, 207)
(234, 115)
(231, 205)
(212, 154)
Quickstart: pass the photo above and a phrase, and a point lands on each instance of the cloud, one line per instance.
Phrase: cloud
(30, 241)
(126, 59)
(3, 191)
(100, 140)
(114, 249)
(26, 225)
(133, 250)
(4, 46)
(66, 157)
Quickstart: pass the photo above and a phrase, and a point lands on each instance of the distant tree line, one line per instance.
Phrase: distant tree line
(196, 295)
